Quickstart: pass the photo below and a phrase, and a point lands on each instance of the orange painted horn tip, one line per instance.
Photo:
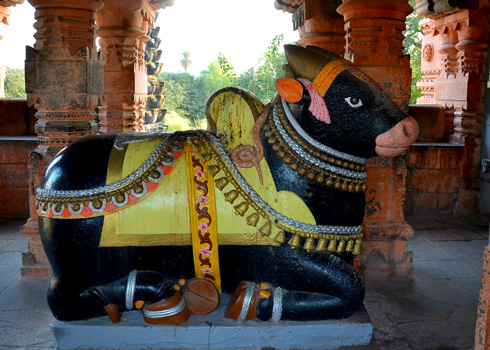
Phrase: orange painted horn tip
(290, 89)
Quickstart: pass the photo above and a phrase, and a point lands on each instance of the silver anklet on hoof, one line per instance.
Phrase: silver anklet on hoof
(165, 313)
(246, 301)
(130, 288)
(277, 307)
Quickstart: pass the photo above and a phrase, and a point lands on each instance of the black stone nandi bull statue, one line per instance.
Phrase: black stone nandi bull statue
(267, 203)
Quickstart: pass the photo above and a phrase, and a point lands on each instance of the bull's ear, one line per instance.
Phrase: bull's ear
(290, 89)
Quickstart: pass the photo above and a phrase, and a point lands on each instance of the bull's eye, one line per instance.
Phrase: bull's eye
(353, 102)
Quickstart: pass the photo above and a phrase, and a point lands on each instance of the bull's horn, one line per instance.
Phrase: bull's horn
(308, 62)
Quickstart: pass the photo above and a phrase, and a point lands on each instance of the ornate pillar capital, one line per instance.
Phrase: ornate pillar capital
(63, 71)
(375, 29)
(122, 28)
(319, 24)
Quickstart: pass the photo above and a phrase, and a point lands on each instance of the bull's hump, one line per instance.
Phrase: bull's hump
(82, 165)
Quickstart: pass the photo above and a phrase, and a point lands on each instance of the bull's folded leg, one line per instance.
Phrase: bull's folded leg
(261, 301)
(138, 289)
(148, 289)
(302, 285)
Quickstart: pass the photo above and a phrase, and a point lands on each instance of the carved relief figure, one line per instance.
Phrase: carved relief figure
(267, 204)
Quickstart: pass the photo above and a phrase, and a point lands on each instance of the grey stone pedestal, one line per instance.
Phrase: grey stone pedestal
(212, 332)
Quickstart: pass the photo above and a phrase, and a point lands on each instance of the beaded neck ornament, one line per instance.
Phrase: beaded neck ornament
(308, 157)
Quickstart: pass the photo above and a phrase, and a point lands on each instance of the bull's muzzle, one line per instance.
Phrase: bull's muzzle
(397, 140)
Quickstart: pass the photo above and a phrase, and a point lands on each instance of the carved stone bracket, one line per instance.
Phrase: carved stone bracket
(439, 8)
(122, 31)
(319, 24)
(62, 78)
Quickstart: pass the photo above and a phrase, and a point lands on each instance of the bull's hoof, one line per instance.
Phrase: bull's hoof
(201, 296)
(171, 311)
(250, 301)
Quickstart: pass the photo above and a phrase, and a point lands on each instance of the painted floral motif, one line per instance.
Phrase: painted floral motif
(202, 200)
(199, 174)
(205, 251)
(203, 227)
(207, 271)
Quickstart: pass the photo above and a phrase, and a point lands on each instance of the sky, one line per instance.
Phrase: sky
(241, 30)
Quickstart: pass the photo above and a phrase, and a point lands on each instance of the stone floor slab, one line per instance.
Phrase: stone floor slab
(212, 332)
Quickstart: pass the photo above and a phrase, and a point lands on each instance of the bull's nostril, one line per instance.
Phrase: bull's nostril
(406, 131)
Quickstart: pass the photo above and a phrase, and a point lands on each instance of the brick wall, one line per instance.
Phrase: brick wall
(17, 139)
(14, 158)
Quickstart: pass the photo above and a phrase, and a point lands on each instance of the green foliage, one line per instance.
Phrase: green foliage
(227, 68)
(269, 70)
(184, 95)
(413, 47)
(214, 78)
(187, 95)
(175, 122)
(15, 83)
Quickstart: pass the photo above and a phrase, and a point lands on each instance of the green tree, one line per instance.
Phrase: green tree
(413, 47)
(227, 68)
(186, 62)
(15, 83)
(184, 95)
(214, 78)
(187, 95)
(261, 81)
(174, 97)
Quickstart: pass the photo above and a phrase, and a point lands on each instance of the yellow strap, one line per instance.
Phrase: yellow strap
(203, 220)
(328, 74)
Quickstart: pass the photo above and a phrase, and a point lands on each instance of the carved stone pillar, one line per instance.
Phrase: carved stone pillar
(458, 41)
(122, 28)
(374, 43)
(64, 83)
(319, 24)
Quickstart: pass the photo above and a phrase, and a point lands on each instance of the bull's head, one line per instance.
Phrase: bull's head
(341, 107)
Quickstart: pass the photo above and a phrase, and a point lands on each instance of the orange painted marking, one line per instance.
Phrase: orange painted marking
(109, 207)
(66, 213)
(86, 211)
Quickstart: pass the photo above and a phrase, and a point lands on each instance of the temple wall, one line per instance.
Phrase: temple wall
(17, 139)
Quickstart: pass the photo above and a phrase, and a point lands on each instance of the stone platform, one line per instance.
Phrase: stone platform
(212, 332)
